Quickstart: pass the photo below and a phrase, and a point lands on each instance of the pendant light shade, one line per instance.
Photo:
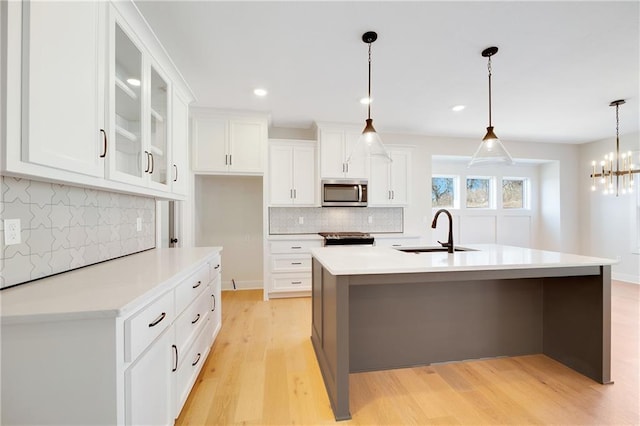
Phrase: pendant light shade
(491, 151)
(369, 143)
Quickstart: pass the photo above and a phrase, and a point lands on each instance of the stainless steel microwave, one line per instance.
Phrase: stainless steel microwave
(344, 193)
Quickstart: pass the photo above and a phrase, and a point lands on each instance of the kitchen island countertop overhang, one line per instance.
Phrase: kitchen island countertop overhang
(376, 308)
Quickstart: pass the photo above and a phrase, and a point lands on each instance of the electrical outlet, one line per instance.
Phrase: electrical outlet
(139, 224)
(301, 220)
(370, 219)
(12, 232)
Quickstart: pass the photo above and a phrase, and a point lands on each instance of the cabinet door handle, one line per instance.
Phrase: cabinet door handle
(148, 162)
(226, 159)
(197, 284)
(393, 194)
(197, 360)
(153, 163)
(176, 169)
(291, 193)
(157, 320)
(295, 194)
(217, 266)
(296, 263)
(175, 358)
(296, 282)
(214, 302)
(347, 167)
(230, 159)
(196, 319)
(104, 143)
(296, 248)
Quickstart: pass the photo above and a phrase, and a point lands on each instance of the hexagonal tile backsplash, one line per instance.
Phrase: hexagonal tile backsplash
(65, 227)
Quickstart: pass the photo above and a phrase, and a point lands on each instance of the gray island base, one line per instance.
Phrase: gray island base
(367, 322)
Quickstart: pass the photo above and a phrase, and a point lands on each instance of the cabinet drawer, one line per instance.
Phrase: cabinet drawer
(286, 247)
(189, 367)
(144, 327)
(191, 287)
(191, 320)
(291, 282)
(287, 263)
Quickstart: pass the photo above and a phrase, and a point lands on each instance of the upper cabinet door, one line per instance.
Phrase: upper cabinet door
(62, 88)
(180, 145)
(126, 159)
(247, 142)
(209, 141)
(159, 129)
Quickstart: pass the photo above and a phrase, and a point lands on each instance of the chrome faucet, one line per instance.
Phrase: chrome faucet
(449, 243)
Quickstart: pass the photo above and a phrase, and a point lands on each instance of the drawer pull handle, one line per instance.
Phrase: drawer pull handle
(157, 320)
(296, 263)
(296, 247)
(197, 360)
(396, 245)
(217, 266)
(296, 282)
(175, 351)
(197, 285)
(214, 302)
(196, 320)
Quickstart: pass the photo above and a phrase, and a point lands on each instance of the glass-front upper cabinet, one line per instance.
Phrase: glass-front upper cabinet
(126, 105)
(158, 134)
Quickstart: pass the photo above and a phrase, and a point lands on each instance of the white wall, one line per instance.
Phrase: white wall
(609, 224)
(228, 213)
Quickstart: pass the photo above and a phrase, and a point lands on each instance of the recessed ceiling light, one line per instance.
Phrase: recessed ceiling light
(133, 81)
(365, 101)
(260, 92)
(458, 108)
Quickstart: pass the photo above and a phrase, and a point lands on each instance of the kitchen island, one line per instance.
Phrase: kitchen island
(376, 308)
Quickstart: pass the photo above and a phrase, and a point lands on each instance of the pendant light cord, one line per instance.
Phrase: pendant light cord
(369, 93)
(617, 147)
(489, 68)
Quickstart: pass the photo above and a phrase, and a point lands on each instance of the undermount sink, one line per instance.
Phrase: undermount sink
(417, 250)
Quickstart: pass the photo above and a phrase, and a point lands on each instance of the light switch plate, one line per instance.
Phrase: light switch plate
(12, 232)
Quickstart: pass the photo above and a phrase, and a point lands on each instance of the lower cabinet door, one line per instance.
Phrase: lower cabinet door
(148, 389)
(189, 366)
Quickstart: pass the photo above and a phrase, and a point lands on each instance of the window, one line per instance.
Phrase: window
(443, 193)
(514, 193)
(478, 192)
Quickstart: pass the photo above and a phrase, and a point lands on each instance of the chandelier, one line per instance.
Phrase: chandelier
(619, 179)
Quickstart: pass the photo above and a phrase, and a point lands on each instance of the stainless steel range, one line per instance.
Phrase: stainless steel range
(347, 238)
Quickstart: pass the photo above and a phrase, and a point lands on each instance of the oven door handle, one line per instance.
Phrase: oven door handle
(359, 193)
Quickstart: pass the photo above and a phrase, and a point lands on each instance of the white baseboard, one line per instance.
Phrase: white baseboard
(629, 278)
(243, 285)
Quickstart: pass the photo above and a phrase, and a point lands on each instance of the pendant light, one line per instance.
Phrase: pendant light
(491, 151)
(624, 179)
(369, 143)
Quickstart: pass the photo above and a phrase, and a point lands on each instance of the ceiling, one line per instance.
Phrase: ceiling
(559, 63)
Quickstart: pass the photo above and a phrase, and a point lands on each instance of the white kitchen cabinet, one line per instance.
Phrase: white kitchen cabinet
(139, 105)
(223, 143)
(289, 263)
(63, 75)
(124, 354)
(148, 392)
(180, 144)
(389, 181)
(73, 115)
(292, 173)
(336, 144)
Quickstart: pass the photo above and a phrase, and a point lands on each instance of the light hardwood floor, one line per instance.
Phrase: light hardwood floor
(262, 370)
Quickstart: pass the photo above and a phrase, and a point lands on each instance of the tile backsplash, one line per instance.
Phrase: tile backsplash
(66, 227)
(286, 220)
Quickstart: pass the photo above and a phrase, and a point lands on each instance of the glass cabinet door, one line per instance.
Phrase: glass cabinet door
(158, 135)
(128, 82)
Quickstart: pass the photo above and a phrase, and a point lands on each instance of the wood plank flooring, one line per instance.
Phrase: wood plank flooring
(262, 371)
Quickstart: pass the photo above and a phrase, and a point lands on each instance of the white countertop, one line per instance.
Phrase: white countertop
(359, 260)
(107, 289)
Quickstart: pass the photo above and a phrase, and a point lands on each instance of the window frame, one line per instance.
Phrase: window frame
(456, 190)
(491, 189)
(526, 193)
